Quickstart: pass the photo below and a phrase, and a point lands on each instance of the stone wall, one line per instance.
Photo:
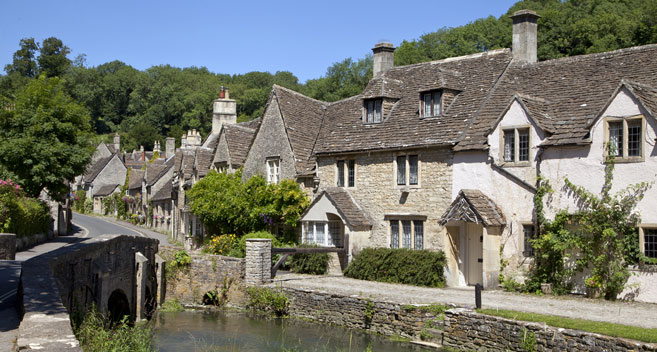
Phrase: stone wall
(377, 192)
(258, 261)
(207, 272)
(7, 246)
(467, 330)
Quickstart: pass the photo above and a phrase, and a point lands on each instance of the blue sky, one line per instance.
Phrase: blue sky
(303, 37)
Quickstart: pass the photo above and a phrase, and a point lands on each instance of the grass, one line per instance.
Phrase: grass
(604, 328)
(171, 306)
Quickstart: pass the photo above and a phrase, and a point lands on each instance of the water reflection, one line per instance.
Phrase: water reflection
(235, 331)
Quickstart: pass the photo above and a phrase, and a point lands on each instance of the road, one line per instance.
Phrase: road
(100, 226)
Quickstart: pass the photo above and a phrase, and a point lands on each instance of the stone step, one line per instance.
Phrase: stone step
(334, 267)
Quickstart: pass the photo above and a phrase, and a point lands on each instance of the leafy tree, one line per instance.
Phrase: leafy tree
(342, 80)
(142, 134)
(53, 60)
(44, 139)
(24, 61)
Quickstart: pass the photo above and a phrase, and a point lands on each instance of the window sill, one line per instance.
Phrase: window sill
(407, 188)
(628, 160)
(516, 164)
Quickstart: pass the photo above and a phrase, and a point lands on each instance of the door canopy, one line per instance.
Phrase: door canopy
(471, 205)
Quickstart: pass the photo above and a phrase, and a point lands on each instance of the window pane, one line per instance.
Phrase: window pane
(436, 103)
(351, 164)
(406, 225)
(412, 170)
(634, 138)
(335, 238)
(616, 138)
(427, 105)
(377, 111)
(370, 111)
(509, 145)
(650, 242)
(419, 234)
(307, 232)
(529, 235)
(523, 145)
(401, 170)
(319, 233)
(340, 173)
(394, 234)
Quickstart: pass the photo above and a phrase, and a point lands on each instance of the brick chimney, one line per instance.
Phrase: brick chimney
(384, 58)
(169, 147)
(224, 110)
(525, 42)
(117, 142)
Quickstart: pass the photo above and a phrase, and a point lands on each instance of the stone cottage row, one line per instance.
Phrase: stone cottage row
(442, 155)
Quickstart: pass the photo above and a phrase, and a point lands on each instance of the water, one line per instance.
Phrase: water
(235, 331)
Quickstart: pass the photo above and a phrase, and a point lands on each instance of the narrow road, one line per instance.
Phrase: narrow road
(99, 226)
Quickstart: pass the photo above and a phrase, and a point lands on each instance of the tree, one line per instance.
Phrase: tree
(342, 80)
(24, 62)
(53, 60)
(44, 140)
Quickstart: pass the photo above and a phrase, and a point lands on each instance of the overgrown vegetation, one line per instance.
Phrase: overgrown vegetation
(309, 263)
(97, 333)
(20, 214)
(265, 299)
(420, 268)
(177, 262)
(604, 328)
(171, 305)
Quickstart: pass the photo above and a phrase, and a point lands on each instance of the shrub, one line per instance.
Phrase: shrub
(266, 299)
(171, 305)
(181, 259)
(20, 214)
(79, 200)
(239, 250)
(420, 268)
(96, 333)
(221, 245)
(310, 263)
(88, 206)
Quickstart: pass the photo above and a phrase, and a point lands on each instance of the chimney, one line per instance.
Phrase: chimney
(156, 147)
(384, 58)
(525, 23)
(117, 142)
(224, 110)
(193, 138)
(183, 141)
(170, 147)
(143, 155)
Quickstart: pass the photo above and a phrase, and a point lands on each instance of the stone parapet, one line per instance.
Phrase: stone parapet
(7, 246)
(258, 261)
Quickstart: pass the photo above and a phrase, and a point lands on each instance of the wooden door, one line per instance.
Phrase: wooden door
(475, 258)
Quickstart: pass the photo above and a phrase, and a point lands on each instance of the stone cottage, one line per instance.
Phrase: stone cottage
(106, 171)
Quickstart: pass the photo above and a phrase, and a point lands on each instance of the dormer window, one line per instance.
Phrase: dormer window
(430, 103)
(373, 111)
(515, 145)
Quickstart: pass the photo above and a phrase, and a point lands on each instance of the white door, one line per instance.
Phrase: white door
(475, 258)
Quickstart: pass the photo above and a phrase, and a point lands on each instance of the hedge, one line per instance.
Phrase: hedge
(403, 266)
(309, 263)
(20, 214)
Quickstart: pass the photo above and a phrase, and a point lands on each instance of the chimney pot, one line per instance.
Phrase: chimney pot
(384, 58)
(224, 111)
(525, 42)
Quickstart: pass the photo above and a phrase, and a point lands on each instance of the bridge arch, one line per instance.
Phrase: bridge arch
(118, 306)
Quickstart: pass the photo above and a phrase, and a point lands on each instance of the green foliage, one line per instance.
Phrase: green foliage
(181, 259)
(528, 340)
(370, 309)
(342, 80)
(220, 245)
(53, 60)
(309, 263)
(171, 305)
(44, 141)
(78, 201)
(96, 333)
(420, 268)
(20, 214)
(266, 299)
(227, 205)
(239, 251)
(88, 206)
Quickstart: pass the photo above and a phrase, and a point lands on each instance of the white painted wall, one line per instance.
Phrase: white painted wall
(319, 210)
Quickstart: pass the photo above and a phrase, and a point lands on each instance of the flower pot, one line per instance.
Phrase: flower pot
(593, 292)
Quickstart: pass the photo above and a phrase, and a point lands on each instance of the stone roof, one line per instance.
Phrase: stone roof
(183, 162)
(136, 178)
(105, 190)
(350, 211)
(302, 117)
(383, 87)
(239, 140)
(647, 95)
(155, 171)
(577, 89)
(471, 205)
(470, 78)
(203, 161)
(163, 193)
(94, 170)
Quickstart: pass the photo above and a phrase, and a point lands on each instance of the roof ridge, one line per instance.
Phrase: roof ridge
(345, 99)
(276, 86)
(454, 58)
(596, 55)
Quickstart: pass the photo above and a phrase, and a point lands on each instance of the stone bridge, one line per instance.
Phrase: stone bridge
(119, 274)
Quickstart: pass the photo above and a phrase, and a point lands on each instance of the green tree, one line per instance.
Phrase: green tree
(342, 80)
(44, 140)
(53, 57)
(24, 59)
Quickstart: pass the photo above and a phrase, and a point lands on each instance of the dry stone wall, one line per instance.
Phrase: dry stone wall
(7, 246)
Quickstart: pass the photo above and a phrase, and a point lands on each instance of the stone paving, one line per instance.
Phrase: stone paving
(628, 313)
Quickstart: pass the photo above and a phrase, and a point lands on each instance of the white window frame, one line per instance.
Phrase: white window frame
(625, 157)
(273, 170)
(516, 145)
(435, 101)
(309, 232)
(407, 170)
(373, 111)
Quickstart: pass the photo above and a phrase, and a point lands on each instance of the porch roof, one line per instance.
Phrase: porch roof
(346, 205)
(472, 205)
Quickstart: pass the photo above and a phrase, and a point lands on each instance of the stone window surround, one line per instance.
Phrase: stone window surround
(365, 111)
(523, 240)
(625, 158)
(399, 218)
(406, 184)
(273, 164)
(221, 166)
(642, 239)
(346, 172)
(530, 153)
(440, 102)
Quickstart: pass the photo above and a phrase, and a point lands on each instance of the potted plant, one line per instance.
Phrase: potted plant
(593, 287)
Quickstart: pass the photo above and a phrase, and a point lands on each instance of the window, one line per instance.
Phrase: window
(529, 232)
(625, 138)
(221, 167)
(273, 171)
(407, 170)
(650, 243)
(411, 235)
(350, 171)
(323, 233)
(430, 104)
(515, 145)
(373, 111)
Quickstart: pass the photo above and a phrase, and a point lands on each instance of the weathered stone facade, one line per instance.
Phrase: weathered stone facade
(377, 192)
(206, 273)
(7, 246)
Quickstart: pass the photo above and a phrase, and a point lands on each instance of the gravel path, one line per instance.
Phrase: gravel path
(628, 313)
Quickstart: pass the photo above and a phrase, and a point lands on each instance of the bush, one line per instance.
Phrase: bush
(403, 266)
(310, 263)
(21, 215)
(79, 200)
(221, 245)
(88, 206)
(239, 250)
(96, 333)
(266, 299)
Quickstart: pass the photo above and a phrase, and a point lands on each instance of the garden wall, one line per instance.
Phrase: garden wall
(206, 272)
